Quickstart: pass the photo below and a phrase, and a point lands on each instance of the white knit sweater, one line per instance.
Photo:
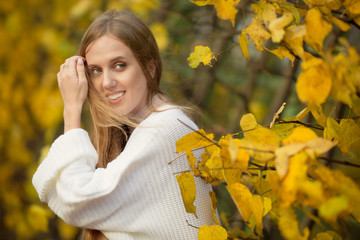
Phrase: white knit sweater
(136, 196)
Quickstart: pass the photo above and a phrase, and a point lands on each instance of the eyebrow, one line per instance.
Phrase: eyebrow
(118, 58)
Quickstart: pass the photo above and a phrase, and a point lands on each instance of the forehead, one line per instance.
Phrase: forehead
(107, 46)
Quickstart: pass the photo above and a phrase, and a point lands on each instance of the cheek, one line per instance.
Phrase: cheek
(96, 82)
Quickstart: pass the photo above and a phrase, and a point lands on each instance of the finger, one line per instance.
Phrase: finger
(71, 65)
(81, 70)
(63, 66)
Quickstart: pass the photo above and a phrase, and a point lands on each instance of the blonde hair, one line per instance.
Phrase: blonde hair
(110, 132)
(137, 36)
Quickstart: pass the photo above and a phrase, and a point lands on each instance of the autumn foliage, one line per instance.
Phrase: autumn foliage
(282, 171)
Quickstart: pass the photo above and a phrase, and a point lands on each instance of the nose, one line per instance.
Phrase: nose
(109, 81)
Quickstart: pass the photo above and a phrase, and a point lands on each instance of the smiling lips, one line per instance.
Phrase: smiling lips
(113, 99)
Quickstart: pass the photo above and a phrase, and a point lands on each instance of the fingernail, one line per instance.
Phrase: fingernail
(80, 61)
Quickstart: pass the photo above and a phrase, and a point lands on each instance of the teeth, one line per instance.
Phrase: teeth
(113, 97)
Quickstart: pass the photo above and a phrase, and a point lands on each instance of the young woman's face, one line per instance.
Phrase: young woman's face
(117, 75)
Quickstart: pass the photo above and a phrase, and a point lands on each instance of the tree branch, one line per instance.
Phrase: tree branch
(340, 162)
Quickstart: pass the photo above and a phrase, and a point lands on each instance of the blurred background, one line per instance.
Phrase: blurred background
(36, 36)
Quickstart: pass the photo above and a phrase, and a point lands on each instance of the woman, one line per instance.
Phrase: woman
(119, 183)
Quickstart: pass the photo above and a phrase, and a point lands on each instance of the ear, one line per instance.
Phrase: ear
(152, 68)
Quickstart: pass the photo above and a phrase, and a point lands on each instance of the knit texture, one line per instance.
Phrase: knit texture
(136, 196)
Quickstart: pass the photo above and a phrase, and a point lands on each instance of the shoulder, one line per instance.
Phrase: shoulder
(169, 116)
(168, 123)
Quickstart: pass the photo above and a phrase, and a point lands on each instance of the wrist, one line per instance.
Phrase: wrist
(72, 119)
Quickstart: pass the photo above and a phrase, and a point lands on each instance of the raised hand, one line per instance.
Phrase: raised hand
(73, 86)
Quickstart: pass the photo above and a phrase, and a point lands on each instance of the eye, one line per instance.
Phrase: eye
(120, 65)
(95, 71)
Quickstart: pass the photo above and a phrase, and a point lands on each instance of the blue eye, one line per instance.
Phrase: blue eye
(120, 65)
(95, 71)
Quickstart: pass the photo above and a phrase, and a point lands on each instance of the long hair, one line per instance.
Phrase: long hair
(129, 29)
(110, 131)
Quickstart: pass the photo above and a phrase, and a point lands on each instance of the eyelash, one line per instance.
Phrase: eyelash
(95, 71)
(122, 65)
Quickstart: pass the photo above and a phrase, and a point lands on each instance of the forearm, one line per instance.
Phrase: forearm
(72, 118)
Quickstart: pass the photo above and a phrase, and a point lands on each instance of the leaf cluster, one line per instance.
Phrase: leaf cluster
(278, 169)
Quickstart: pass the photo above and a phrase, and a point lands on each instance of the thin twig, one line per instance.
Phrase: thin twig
(176, 158)
(340, 162)
(227, 168)
(210, 140)
(194, 149)
(262, 167)
(310, 125)
(191, 225)
(229, 48)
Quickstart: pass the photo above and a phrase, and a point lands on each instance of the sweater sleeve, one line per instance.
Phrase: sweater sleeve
(77, 192)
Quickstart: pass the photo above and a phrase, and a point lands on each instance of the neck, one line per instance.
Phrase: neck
(157, 101)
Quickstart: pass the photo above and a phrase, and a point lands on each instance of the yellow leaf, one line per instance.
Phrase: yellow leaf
(352, 6)
(231, 162)
(248, 122)
(333, 207)
(357, 20)
(302, 114)
(283, 130)
(188, 191)
(215, 164)
(235, 159)
(260, 143)
(282, 52)
(264, 11)
(315, 33)
(267, 205)
(296, 173)
(242, 198)
(277, 26)
(314, 83)
(282, 157)
(341, 24)
(213, 232)
(300, 135)
(226, 9)
(293, 10)
(328, 235)
(312, 193)
(201, 54)
(244, 42)
(294, 37)
(345, 67)
(318, 114)
(258, 33)
(289, 228)
(319, 146)
(192, 163)
(332, 4)
(347, 132)
(193, 140)
(258, 212)
(229, 148)
(214, 202)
